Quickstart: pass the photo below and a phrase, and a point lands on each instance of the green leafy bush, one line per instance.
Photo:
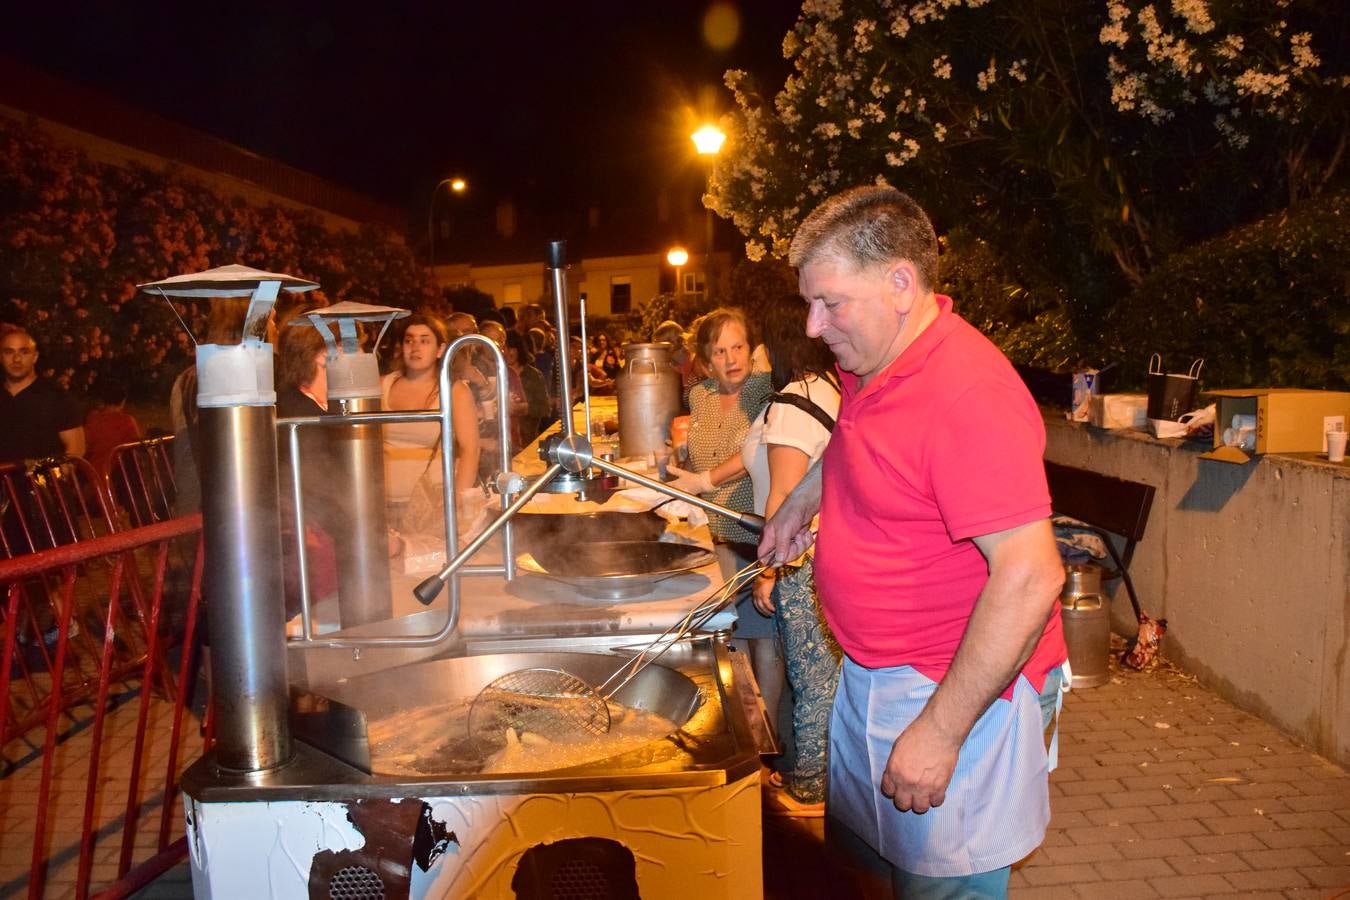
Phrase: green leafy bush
(1265, 304)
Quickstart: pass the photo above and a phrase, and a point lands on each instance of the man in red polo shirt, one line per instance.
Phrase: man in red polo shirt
(936, 565)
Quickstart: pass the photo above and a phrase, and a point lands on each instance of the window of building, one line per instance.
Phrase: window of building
(693, 282)
(620, 294)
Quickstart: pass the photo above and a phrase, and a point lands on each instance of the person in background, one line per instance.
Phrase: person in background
(224, 325)
(936, 564)
(721, 408)
(302, 392)
(39, 418)
(607, 357)
(108, 425)
(515, 390)
(541, 352)
(460, 324)
(781, 445)
(535, 416)
(531, 316)
(411, 449)
(681, 359)
(600, 384)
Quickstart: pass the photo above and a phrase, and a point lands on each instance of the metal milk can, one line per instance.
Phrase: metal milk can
(1087, 625)
(648, 389)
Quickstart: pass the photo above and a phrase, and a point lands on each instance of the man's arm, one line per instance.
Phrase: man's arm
(788, 532)
(72, 439)
(1025, 576)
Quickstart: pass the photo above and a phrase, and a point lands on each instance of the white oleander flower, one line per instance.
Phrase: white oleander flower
(1196, 14)
(1302, 53)
(987, 78)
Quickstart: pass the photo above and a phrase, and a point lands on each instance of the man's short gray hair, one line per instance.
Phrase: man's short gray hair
(869, 226)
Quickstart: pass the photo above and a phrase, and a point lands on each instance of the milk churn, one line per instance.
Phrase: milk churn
(1087, 625)
(649, 397)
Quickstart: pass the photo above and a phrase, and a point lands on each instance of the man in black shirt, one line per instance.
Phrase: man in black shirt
(37, 418)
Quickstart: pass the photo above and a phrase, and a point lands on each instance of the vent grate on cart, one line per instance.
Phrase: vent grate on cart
(577, 869)
(355, 883)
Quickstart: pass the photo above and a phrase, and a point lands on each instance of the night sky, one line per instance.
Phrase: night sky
(559, 105)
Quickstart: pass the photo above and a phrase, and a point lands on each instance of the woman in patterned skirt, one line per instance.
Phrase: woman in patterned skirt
(782, 444)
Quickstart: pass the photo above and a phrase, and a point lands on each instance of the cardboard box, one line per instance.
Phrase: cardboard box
(1288, 420)
(1119, 411)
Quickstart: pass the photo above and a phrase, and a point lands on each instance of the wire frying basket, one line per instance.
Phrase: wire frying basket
(558, 705)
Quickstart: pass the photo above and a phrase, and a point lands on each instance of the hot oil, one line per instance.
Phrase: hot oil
(434, 740)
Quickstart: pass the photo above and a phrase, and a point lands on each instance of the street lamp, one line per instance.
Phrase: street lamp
(708, 141)
(457, 186)
(677, 257)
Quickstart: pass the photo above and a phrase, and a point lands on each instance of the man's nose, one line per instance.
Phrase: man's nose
(815, 319)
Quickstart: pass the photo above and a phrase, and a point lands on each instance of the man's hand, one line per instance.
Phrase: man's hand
(762, 592)
(919, 768)
(788, 534)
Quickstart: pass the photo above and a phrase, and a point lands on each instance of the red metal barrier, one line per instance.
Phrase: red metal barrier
(121, 594)
(49, 503)
(141, 481)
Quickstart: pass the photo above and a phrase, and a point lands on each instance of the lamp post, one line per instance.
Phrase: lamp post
(708, 142)
(677, 257)
(457, 186)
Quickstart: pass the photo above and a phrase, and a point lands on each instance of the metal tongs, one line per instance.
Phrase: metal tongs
(559, 705)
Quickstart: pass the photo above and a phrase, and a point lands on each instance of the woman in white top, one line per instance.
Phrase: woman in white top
(411, 448)
(783, 442)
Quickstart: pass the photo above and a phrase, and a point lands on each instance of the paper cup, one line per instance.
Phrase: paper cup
(1336, 445)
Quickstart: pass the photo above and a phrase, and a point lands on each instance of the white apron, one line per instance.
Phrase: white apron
(997, 804)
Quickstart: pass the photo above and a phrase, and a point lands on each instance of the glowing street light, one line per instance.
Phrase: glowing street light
(708, 141)
(457, 186)
(678, 257)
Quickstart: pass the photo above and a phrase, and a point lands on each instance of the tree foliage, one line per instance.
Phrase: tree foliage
(1091, 139)
(1265, 303)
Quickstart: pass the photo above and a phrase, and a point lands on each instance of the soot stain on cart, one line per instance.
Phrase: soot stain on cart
(432, 839)
(561, 618)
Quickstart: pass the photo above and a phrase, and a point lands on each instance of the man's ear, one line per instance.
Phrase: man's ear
(903, 282)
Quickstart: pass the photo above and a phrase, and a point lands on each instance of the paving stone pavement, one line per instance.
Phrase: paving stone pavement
(1163, 790)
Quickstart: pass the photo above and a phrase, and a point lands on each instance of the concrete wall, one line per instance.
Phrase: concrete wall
(1250, 565)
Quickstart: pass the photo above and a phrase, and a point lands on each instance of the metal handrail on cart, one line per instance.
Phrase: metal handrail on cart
(570, 470)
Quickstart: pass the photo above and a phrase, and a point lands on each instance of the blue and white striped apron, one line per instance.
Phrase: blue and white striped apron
(997, 805)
